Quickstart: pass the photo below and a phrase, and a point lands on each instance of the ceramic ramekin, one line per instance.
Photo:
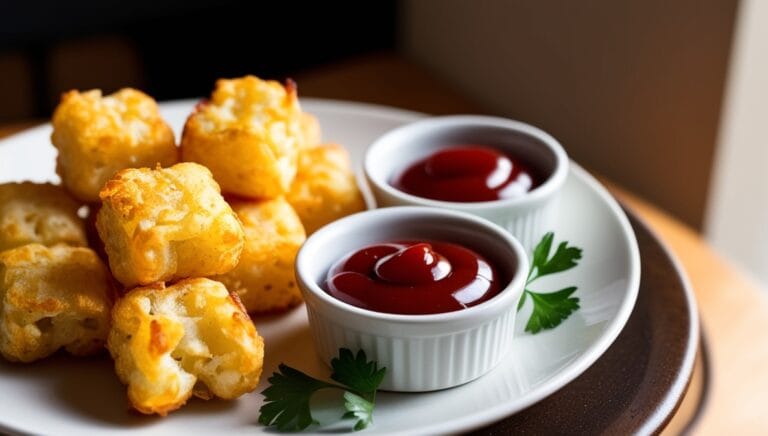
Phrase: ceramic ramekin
(420, 352)
(527, 217)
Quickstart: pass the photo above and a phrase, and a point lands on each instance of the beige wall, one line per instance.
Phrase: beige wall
(632, 88)
(737, 219)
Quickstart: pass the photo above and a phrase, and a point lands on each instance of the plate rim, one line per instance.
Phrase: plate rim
(562, 377)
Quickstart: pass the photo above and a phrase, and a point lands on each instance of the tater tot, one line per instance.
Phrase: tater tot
(192, 338)
(265, 279)
(310, 129)
(325, 188)
(51, 298)
(248, 134)
(38, 212)
(98, 136)
(167, 224)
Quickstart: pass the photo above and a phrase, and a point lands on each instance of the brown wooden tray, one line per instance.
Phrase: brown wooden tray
(639, 382)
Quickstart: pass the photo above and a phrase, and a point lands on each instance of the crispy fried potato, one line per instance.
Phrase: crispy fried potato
(51, 298)
(310, 128)
(265, 279)
(98, 136)
(38, 212)
(248, 134)
(192, 338)
(325, 188)
(167, 224)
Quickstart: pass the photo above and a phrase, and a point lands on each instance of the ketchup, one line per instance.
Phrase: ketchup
(412, 277)
(467, 173)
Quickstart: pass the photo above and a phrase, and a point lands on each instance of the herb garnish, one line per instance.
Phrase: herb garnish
(287, 398)
(551, 308)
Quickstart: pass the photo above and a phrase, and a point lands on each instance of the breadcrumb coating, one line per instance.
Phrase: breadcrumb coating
(192, 338)
(310, 128)
(51, 298)
(248, 134)
(167, 224)
(97, 136)
(265, 279)
(38, 212)
(325, 188)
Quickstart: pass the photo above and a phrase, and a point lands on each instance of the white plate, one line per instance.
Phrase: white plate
(64, 395)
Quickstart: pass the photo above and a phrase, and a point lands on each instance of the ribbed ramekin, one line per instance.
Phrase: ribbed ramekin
(420, 352)
(527, 217)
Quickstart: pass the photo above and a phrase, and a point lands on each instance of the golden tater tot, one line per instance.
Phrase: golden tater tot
(98, 136)
(192, 338)
(167, 224)
(310, 128)
(51, 298)
(265, 279)
(325, 188)
(38, 212)
(248, 134)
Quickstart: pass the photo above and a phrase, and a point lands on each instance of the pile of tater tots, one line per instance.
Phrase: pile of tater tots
(159, 252)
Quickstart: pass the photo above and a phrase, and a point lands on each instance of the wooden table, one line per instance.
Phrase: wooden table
(733, 309)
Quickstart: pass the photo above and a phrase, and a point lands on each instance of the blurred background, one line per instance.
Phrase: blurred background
(667, 99)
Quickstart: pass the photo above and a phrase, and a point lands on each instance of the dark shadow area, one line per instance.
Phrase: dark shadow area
(173, 49)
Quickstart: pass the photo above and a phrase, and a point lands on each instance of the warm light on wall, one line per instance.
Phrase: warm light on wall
(737, 216)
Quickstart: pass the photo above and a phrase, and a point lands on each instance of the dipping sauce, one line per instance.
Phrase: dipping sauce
(468, 173)
(414, 277)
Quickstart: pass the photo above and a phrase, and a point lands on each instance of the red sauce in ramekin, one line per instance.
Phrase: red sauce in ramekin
(468, 173)
(413, 277)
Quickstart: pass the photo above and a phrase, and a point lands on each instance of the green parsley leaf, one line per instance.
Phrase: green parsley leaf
(360, 408)
(357, 373)
(540, 254)
(286, 404)
(565, 258)
(522, 300)
(550, 309)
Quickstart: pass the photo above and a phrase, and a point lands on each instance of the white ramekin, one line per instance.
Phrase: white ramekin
(527, 217)
(420, 352)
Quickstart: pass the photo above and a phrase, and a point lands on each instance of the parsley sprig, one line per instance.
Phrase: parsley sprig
(287, 398)
(550, 308)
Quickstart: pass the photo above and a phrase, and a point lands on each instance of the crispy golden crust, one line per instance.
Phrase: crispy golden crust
(51, 298)
(265, 279)
(167, 224)
(98, 136)
(248, 135)
(38, 212)
(310, 128)
(192, 338)
(325, 188)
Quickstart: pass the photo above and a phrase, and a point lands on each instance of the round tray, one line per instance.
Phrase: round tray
(637, 385)
(634, 387)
